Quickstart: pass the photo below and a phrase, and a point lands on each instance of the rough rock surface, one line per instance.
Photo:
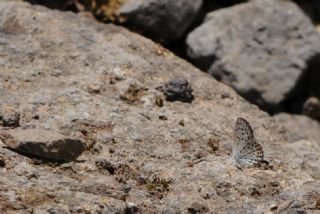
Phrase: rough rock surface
(301, 127)
(256, 50)
(164, 20)
(43, 143)
(98, 82)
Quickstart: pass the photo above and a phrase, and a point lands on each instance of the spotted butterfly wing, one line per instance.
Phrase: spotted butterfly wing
(246, 151)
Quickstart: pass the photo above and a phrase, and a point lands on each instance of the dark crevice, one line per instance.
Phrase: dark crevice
(307, 86)
(64, 5)
(311, 9)
(178, 46)
(254, 96)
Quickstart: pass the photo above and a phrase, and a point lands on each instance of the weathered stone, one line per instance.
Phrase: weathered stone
(311, 107)
(256, 50)
(164, 20)
(44, 144)
(198, 208)
(131, 208)
(177, 89)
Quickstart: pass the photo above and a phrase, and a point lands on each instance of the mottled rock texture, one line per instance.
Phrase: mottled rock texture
(261, 48)
(69, 74)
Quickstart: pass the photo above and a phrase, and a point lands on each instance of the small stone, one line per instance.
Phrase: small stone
(198, 208)
(312, 108)
(225, 95)
(159, 101)
(162, 117)
(131, 208)
(2, 162)
(177, 89)
(127, 189)
(273, 207)
(44, 144)
(9, 116)
(95, 88)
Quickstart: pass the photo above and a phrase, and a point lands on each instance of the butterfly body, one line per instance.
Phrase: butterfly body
(245, 151)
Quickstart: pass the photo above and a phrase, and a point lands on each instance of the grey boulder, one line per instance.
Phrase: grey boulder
(162, 20)
(260, 48)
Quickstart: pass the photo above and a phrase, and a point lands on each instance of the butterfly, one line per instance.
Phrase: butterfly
(246, 151)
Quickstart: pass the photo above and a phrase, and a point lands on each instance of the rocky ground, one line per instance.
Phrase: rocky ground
(98, 119)
(267, 50)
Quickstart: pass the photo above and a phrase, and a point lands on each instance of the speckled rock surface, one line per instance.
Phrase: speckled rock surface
(68, 74)
(301, 127)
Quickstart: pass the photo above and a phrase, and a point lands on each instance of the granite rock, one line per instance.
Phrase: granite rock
(69, 74)
(256, 50)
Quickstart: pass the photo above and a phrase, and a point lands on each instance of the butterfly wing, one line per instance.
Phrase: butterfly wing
(246, 151)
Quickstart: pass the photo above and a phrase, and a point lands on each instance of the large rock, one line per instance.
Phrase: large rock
(44, 144)
(260, 48)
(164, 20)
(98, 82)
